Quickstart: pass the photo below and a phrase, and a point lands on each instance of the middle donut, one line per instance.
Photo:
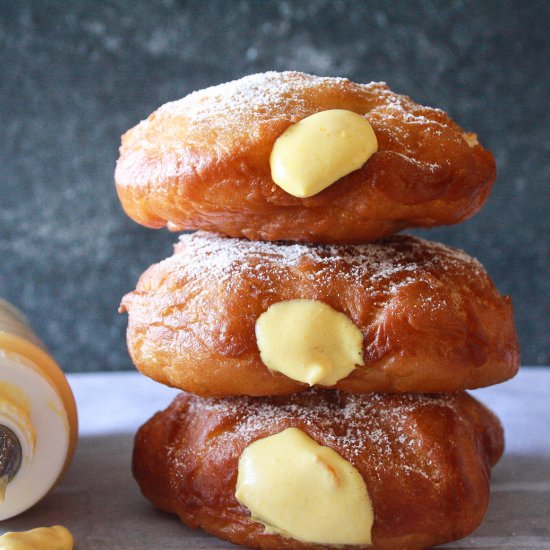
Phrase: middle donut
(226, 316)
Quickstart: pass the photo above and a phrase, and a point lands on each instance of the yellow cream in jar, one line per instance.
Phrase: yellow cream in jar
(37, 407)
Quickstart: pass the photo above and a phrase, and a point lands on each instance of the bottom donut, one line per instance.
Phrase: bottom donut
(322, 468)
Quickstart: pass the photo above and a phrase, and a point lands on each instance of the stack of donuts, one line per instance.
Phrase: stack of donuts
(322, 358)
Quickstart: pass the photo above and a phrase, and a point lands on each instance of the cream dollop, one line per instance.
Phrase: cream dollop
(300, 489)
(317, 151)
(309, 341)
(41, 538)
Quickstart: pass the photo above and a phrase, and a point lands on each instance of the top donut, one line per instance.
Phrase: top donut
(207, 162)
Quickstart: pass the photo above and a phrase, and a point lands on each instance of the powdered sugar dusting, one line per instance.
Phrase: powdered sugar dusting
(401, 259)
(386, 425)
(230, 107)
(254, 93)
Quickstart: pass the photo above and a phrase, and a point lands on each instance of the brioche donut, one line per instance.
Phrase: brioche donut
(203, 162)
(431, 319)
(425, 460)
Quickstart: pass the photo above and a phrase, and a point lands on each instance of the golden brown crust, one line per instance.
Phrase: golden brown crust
(203, 163)
(425, 459)
(431, 318)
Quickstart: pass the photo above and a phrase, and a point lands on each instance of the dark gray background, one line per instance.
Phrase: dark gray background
(75, 75)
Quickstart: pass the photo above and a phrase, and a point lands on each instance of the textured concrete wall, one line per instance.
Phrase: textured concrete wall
(75, 75)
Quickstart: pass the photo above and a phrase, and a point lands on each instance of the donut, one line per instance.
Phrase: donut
(430, 318)
(203, 162)
(425, 461)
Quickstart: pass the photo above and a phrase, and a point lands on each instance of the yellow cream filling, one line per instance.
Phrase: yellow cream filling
(309, 341)
(314, 153)
(42, 538)
(300, 489)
